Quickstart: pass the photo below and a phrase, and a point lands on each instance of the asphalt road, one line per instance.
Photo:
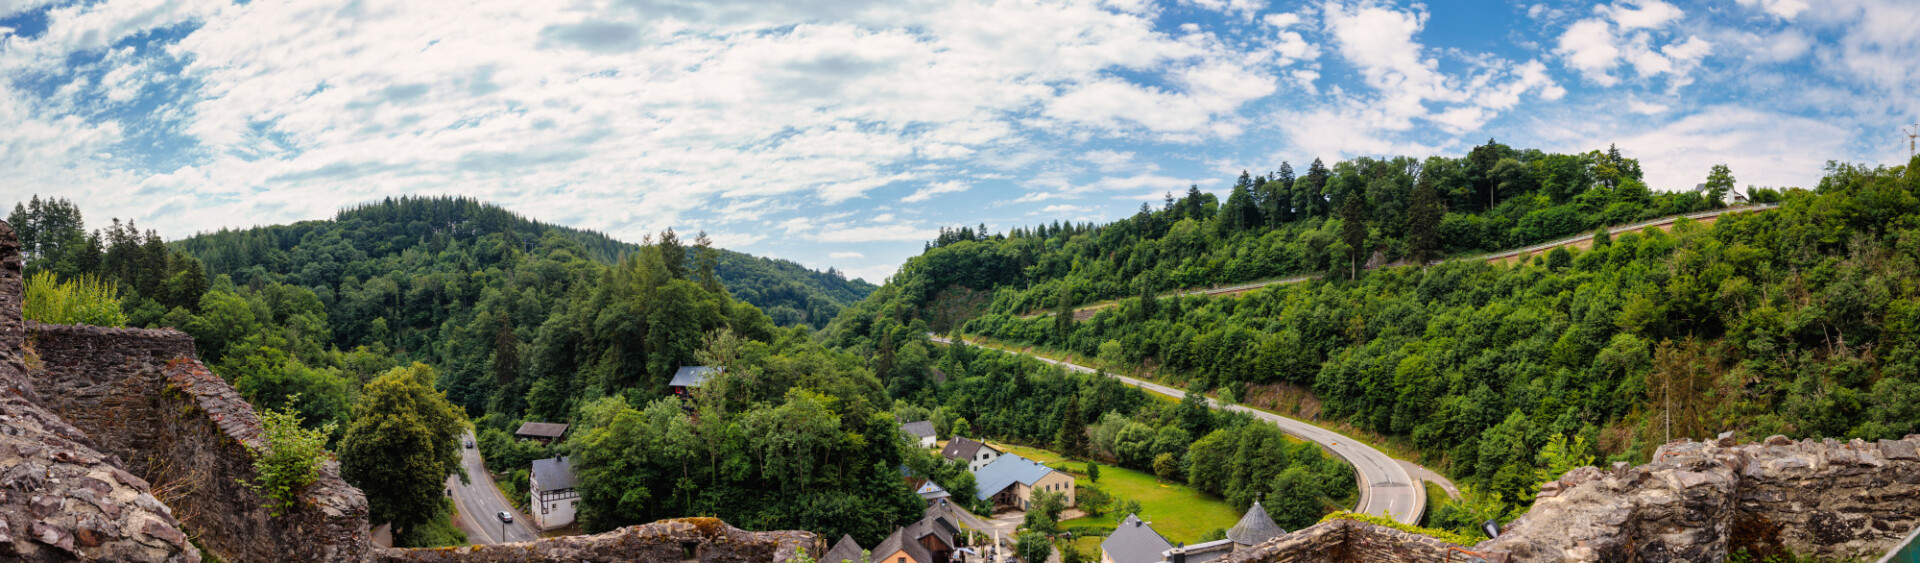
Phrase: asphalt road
(1386, 489)
(479, 502)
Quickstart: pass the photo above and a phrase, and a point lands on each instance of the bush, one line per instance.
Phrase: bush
(289, 461)
(1165, 466)
(84, 300)
(437, 532)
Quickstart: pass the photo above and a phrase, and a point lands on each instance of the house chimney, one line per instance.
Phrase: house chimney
(1179, 555)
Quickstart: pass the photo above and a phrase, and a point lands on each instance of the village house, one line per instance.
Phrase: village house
(1010, 482)
(922, 432)
(552, 491)
(974, 453)
(1133, 541)
(844, 551)
(543, 432)
(932, 492)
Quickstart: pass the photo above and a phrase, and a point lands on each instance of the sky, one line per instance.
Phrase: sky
(844, 133)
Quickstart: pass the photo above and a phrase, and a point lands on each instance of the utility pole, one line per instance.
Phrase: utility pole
(1913, 132)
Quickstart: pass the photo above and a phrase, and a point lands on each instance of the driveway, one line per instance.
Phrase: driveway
(479, 501)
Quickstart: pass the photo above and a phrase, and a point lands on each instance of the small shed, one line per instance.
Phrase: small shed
(545, 432)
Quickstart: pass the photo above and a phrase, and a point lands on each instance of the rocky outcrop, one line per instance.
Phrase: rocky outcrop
(706, 540)
(143, 396)
(61, 499)
(1699, 501)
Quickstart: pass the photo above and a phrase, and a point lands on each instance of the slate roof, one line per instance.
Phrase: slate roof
(553, 474)
(923, 429)
(1202, 552)
(541, 430)
(963, 449)
(1134, 541)
(897, 542)
(845, 550)
(692, 376)
(931, 491)
(1254, 527)
(936, 520)
(1005, 471)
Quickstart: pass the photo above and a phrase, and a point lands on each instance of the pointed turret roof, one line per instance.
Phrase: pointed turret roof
(1254, 527)
(846, 550)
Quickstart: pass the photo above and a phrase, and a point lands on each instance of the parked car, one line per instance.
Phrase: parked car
(504, 517)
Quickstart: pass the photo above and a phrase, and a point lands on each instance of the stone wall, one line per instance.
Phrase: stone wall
(61, 499)
(706, 540)
(142, 396)
(1341, 541)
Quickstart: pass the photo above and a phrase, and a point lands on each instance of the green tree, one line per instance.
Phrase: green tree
(1295, 502)
(1032, 546)
(1353, 232)
(1043, 511)
(1166, 467)
(1423, 222)
(1560, 456)
(1072, 437)
(403, 443)
(1063, 317)
(1719, 182)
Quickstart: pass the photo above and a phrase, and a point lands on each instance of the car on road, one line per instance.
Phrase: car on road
(504, 517)
(469, 444)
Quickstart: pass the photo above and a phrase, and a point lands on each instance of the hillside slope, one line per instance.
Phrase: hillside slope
(1797, 321)
(399, 234)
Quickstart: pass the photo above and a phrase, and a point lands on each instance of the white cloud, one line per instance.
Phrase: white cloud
(1630, 32)
(1784, 9)
(845, 255)
(1762, 148)
(1061, 209)
(936, 188)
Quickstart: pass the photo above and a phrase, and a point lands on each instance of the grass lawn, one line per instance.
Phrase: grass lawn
(1177, 511)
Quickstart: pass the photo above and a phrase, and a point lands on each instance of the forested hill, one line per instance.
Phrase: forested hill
(1800, 320)
(420, 236)
(1332, 219)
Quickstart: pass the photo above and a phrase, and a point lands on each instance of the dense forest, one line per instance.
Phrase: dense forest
(1794, 321)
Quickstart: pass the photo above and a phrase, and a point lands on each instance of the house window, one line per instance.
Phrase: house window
(903, 560)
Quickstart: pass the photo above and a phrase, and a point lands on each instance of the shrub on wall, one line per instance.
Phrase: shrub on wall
(289, 461)
(83, 300)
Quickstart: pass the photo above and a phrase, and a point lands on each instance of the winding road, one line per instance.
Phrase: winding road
(1085, 313)
(1386, 488)
(478, 501)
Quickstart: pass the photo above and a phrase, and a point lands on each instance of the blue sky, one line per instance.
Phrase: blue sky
(846, 132)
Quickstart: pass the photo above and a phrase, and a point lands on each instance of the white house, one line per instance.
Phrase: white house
(553, 494)
(975, 454)
(922, 432)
